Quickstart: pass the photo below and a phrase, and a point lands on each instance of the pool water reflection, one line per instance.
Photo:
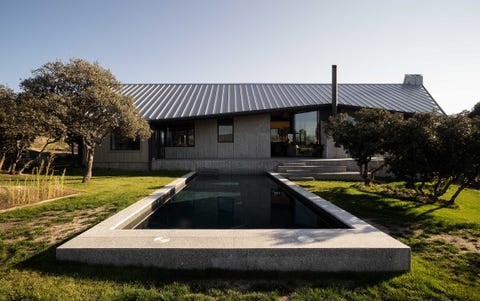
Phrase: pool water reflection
(236, 202)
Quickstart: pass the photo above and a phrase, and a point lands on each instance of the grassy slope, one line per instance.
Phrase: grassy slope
(441, 270)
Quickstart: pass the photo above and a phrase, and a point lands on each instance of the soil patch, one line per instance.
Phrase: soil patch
(54, 226)
(465, 245)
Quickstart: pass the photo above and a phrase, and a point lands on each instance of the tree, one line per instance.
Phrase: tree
(475, 110)
(7, 102)
(433, 151)
(471, 161)
(363, 136)
(94, 105)
(24, 119)
(410, 149)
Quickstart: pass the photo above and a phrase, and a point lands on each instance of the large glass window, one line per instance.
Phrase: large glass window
(181, 135)
(225, 130)
(306, 136)
(118, 142)
(279, 131)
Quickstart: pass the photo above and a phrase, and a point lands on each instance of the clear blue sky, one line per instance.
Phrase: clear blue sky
(252, 41)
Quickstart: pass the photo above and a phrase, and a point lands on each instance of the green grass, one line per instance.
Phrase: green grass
(442, 268)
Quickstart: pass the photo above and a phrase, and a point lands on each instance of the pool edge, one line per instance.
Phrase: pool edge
(363, 248)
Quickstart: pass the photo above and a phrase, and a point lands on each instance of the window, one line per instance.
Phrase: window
(225, 130)
(118, 142)
(181, 135)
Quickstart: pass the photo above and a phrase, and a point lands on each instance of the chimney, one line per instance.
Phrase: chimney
(413, 79)
(334, 91)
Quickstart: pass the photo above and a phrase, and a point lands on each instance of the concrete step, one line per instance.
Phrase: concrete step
(293, 178)
(313, 168)
(294, 164)
(351, 176)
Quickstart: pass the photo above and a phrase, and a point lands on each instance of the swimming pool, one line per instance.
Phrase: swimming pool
(238, 202)
(220, 235)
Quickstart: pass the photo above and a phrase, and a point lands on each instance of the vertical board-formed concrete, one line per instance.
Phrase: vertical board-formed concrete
(251, 140)
(121, 159)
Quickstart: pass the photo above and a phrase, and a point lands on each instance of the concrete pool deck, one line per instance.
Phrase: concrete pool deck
(362, 248)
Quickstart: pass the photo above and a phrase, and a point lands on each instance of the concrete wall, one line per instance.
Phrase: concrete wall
(121, 159)
(251, 140)
(249, 153)
(223, 166)
(329, 149)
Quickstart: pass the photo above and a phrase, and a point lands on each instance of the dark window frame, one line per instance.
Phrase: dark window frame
(225, 122)
(129, 144)
(175, 129)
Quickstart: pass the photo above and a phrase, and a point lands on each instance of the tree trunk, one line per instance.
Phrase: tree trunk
(39, 155)
(455, 195)
(364, 173)
(2, 160)
(18, 157)
(88, 167)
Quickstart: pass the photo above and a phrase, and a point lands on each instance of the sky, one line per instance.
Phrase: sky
(260, 41)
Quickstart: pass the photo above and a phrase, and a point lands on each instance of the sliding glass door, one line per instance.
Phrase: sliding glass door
(306, 133)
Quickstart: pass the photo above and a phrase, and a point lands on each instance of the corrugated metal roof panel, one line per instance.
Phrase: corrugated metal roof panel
(172, 101)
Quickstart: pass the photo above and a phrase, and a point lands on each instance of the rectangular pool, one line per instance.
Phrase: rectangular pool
(263, 223)
(237, 202)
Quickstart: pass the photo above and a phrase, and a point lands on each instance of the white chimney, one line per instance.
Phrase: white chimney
(413, 79)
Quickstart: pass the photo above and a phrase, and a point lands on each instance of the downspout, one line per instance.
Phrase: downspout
(150, 151)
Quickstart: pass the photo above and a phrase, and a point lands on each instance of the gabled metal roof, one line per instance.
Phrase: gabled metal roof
(172, 101)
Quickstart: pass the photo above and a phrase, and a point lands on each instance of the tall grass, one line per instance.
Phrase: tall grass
(41, 184)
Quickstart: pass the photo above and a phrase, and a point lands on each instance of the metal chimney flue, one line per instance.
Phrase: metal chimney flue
(334, 91)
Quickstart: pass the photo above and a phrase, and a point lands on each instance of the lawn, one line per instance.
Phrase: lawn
(445, 244)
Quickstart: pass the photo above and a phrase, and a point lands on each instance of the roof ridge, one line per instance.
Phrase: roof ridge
(261, 84)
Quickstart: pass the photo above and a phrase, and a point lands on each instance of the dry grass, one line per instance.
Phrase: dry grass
(32, 188)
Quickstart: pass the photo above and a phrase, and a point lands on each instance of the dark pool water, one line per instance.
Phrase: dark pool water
(236, 202)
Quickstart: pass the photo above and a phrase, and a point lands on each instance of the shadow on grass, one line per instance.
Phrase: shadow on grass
(200, 280)
(401, 217)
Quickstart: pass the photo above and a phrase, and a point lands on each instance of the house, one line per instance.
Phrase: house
(247, 127)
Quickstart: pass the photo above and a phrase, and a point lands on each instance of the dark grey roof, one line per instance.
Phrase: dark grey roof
(170, 101)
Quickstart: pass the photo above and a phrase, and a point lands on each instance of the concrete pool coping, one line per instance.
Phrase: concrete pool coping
(361, 248)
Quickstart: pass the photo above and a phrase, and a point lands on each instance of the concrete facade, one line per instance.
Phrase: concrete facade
(251, 140)
(250, 151)
(222, 166)
(329, 149)
(105, 157)
(360, 248)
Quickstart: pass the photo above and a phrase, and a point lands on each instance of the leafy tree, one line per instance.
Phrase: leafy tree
(470, 168)
(24, 119)
(410, 149)
(433, 151)
(475, 110)
(7, 102)
(93, 103)
(363, 136)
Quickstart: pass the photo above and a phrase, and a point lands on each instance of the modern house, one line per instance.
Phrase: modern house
(247, 127)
